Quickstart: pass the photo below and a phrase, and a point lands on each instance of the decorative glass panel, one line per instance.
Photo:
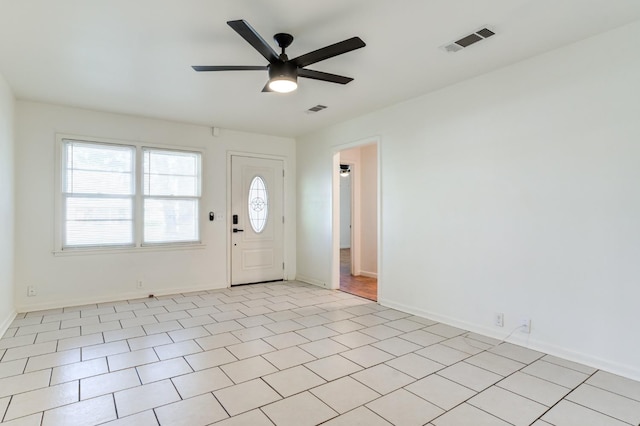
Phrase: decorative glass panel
(258, 204)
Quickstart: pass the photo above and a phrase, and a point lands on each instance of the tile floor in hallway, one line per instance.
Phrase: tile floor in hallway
(286, 354)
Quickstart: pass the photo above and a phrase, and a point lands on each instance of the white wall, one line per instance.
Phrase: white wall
(516, 192)
(7, 144)
(69, 279)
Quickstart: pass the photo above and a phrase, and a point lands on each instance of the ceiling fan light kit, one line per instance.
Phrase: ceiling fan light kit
(284, 72)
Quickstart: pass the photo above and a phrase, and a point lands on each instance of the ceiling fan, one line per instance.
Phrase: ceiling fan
(284, 72)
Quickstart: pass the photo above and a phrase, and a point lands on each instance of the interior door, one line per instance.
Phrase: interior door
(257, 230)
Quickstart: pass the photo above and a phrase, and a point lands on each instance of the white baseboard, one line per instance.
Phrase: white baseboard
(369, 274)
(6, 322)
(629, 371)
(312, 281)
(116, 297)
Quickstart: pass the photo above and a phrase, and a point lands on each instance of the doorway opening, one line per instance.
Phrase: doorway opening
(358, 220)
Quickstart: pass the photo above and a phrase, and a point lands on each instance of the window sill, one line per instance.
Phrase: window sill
(118, 250)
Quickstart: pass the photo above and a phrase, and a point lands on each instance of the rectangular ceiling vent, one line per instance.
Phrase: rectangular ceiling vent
(316, 108)
(468, 40)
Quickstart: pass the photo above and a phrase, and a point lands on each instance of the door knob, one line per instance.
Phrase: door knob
(237, 230)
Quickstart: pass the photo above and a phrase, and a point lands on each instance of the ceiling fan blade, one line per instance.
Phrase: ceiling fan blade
(245, 30)
(266, 88)
(329, 51)
(323, 76)
(229, 68)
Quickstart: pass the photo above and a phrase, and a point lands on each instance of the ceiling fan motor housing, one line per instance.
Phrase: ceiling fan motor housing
(283, 70)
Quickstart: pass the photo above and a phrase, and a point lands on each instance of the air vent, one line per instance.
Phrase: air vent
(316, 108)
(468, 40)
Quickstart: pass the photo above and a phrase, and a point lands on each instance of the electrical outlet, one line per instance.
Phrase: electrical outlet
(139, 284)
(498, 319)
(525, 325)
(31, 291)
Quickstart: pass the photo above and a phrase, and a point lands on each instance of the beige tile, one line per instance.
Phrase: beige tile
(4, 403)
(611, 404)
(79, 322)
(138, 321)
(289, 357)
(150, 311)
(105, 349)
(24, 382)
(323, 348)
(466, 414)
(163, 370)
(80, 341)
(198, 411)
(116, 316)
(14, 342)
(42, 399)
(556, 374)
(443, 354)
(50, 336)
(174, 350)
(250, 349)
(536, 389)
(566, 413)
(317, 333)
(404, 408)
(55, 359)
(405, 325)
(344, 394)
(392, 314)
(440, 391)
(300, 410)
(100, 327)
(132, 359)
(616, 384)
(12, 368)
(285, 340)
(92, 411)
(208, 359)
(495, 363)
(20, 322)
(224, 327)
(361, 416)
(28, 351)
(415, 365)
(333, 367)
(354, 339)
(108, 383)
(217, 341)
(246, 396)
(422, 338)
(248, 369)
(38, 328)
(569, 364)
(203, 381)
(284, 326)
(467, 345)
(146, 418)
(444, 330)
(252, 333)
(32, 420)
(162, 327)
(508, 406)
(470, 376)
(142, 398)
(125, 333)
(97, 311)
(149, 341)
(294, 380)
(78, 370)
(517, 353)
(188, 334)
(367, 356)
(396, 346)
(383, 379)
(196, 321)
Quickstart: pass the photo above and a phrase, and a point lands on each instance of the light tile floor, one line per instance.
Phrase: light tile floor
(286, 354)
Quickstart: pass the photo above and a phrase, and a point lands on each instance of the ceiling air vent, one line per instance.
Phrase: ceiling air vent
(468, 40)
(316, 108)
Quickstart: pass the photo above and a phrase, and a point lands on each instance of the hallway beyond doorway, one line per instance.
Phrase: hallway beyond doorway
(358, 285)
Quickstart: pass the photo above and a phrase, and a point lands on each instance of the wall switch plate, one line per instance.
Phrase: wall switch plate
(525, 325)
(31, 291)
(498, 319)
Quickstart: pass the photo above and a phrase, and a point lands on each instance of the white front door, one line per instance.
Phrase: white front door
(257, 231)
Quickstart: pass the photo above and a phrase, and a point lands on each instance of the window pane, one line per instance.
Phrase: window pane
(167, 220)
(171, 173)
(98, 221)
(98, 169)
(258, 204)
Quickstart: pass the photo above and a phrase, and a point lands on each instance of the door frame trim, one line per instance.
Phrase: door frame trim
(285, 200)
(335, 208)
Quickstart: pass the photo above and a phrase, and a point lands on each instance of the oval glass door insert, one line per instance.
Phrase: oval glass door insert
(258, 204)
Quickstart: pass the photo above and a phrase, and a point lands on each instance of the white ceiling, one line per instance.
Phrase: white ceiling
(134, 56)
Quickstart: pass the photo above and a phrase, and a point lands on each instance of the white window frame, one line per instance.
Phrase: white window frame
(138, 199)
